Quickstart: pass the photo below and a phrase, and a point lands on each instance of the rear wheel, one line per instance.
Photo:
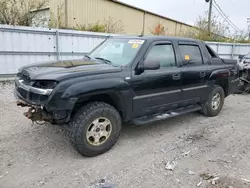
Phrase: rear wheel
(95, 129)
(215, 102)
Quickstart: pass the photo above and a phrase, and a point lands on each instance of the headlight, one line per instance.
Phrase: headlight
(45, 84)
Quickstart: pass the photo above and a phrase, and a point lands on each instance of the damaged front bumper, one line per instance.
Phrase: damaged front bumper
(35, 113)
(38, 112)
(43, 105)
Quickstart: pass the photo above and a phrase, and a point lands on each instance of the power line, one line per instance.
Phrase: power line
(220, 11)
(230, 24)
(227, 20)
(226, 16)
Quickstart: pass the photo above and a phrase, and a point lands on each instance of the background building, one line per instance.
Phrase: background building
(119, 17)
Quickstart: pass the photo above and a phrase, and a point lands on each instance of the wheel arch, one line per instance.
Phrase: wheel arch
(220, 78)
(110, 98)
(224, 84)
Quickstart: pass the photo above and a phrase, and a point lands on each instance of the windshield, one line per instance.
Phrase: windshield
(118, 52)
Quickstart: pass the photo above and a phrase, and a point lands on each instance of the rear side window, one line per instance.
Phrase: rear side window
(210, 51)
(191, 53)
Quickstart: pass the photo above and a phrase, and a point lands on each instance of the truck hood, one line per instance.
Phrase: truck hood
(59, 70)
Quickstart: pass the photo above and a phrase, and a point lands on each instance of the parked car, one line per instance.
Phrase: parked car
(244, 60)
(244, 73)
(245, 57)
(139, 80)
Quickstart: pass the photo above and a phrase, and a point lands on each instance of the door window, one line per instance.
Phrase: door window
(164, 53)
(191, 53)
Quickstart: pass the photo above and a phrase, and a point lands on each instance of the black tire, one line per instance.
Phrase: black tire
(79, 126)
(208, 108)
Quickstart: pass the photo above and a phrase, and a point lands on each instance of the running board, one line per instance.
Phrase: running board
(164, 116)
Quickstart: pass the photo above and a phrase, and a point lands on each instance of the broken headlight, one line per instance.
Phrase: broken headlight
(45, 84)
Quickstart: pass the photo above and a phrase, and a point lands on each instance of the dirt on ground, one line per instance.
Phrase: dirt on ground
(183, 152)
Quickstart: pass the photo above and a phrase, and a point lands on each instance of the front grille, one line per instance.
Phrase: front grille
(22, 92)
(24, 89)
(35, 98)
(38, 98)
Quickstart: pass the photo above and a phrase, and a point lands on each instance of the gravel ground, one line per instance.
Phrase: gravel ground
(201, 148)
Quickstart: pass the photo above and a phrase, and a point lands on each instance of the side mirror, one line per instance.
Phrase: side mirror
(151, 65)
(241, 56)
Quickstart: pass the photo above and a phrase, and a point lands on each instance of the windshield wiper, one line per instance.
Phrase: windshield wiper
(85, 55)
(104, 60)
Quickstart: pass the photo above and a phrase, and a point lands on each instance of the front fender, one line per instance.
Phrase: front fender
(117, 89)
(95, 87)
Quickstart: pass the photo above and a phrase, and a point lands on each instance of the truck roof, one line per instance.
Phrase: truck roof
(153, 38)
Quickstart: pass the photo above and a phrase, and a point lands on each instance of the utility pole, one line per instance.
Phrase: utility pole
(210, 15)
(248, 27)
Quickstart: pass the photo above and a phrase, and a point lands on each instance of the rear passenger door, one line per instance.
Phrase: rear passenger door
(194, 73)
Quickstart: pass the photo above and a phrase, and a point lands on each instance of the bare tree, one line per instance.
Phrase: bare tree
(56, 19)
(108, 26)
(112, 26)
(218, 26)
(242, 37)
(219, 31)
(20, 12)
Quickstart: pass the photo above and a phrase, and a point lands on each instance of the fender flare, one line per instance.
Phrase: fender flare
(219, 74)
(117, 89)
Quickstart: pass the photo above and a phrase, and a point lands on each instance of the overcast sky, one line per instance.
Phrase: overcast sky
(188, 10)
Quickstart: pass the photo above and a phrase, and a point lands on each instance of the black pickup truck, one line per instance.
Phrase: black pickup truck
(139, 80)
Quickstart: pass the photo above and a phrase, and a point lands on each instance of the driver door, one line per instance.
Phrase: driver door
(157, 91)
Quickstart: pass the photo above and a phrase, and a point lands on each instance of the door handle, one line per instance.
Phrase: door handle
(176, 76)
(202, 74)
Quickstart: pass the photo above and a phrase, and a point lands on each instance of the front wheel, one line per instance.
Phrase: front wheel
(95, 129)
(215, 102)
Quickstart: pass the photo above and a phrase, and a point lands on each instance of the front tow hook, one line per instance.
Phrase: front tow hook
(38, 114)
(35, 113)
